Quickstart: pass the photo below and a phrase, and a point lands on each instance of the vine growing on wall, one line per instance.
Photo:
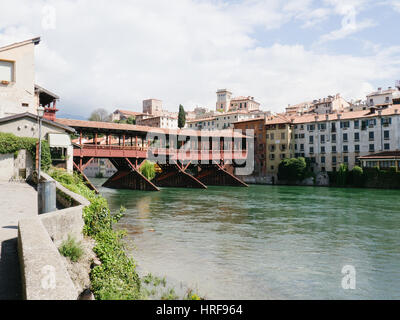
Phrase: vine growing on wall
(10, 143)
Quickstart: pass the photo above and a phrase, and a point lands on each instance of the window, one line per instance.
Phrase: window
(345, 137)
(322, 159)
(371, 136)
(345, 124)
(311, 149)
(386, 146)
(356, 136)
(6, 71)
(322, 126)
(371, 148)
(282, 135)
(386, 135)
(371, 102)
(310, 127)
(356, 124)
(357, 148)
(323, 149)
(334, 160)
(323, 138)
(334, 138)
(302, 147)
(345, 148)
(346, 159)
(334, 149)
(311, 139)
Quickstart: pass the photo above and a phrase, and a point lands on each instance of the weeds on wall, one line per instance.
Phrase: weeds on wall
(10, 143)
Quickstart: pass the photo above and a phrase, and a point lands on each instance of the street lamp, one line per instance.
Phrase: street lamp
(40, 112)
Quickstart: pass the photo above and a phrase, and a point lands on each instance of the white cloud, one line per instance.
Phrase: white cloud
(115, 54)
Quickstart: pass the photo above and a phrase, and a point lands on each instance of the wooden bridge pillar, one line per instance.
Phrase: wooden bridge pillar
(128, 176)
(218, 175)
(175, 175)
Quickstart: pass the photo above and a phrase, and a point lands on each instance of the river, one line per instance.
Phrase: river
(266, 242)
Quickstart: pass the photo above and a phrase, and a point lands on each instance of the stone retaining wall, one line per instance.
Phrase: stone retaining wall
(43, 274)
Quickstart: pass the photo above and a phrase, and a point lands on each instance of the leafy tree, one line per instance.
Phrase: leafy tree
(100, 115)
(293, 169)
(148, 170)
(181, 117)
(130, 120)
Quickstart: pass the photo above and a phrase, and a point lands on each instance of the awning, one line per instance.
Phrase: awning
(59, 140)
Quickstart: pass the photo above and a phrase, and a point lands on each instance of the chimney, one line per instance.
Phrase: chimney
(338, 116)
(327, 117)
(379, 112)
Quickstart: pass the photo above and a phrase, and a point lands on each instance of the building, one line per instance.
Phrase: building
(17, 78)
(153, 107)
(382, 160)
(99, 168)
(298, 109)
(162, 121)
(280, 144)
(223, 120)
(20, 98)
(119, 115)
(382, 98)
(258, 125)
(225, 102)
(329, 105)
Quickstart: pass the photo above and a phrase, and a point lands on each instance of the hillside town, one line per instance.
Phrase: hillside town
(328, 131)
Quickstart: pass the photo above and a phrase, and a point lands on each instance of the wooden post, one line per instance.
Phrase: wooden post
(123, 140)
(80, 139)
(136, 144)
(95, 139)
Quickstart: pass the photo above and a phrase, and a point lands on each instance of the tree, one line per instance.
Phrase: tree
(100, 115)
(181, 117)
(357, 176)
(293, 169)
(130, 120)
(342, 174)
(148, 170)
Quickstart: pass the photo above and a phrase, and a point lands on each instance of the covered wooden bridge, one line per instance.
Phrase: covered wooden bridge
(187, 158)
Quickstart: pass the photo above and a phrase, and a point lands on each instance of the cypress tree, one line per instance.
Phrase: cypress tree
(181, 117)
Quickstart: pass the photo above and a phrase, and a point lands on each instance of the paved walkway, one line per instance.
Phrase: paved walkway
(17, 200)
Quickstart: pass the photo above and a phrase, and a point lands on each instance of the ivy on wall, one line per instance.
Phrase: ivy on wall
(10, 143)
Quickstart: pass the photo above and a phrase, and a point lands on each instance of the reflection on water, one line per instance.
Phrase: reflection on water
(266, 242)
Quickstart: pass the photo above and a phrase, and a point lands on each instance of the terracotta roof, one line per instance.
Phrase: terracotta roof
(250, 120)
(308, 118)
(131, 113)
(143, 130)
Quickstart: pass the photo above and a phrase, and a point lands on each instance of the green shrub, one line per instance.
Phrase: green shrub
(10, 143)
(72, 249)
(116, 278)
(148, 170)
(294, 169)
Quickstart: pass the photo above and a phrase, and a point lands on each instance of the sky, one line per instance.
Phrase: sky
(114, 54)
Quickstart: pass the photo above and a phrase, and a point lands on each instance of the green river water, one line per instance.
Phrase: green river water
(266, 242)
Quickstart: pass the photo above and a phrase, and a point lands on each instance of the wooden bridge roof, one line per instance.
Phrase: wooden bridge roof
(135, 130)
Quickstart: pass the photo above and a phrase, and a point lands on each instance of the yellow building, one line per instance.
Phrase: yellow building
(280, 142)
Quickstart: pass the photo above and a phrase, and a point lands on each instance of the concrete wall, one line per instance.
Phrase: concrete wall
(6, 166)
(21, 89)
(10, 166)
(43, 273)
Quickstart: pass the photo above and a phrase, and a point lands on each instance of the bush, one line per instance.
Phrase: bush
(72, 249)
(148, 170)
(116, 278)
(294, 169)
(10, 143)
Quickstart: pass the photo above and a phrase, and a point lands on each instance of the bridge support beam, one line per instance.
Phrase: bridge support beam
(217, 175)
(175, 175)
(87, 181)
(128, 176)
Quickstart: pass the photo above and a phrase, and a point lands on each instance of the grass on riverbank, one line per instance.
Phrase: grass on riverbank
(116, 278)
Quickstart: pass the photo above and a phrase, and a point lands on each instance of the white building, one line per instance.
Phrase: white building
(331, 139)
(382, 98)
(223, 120)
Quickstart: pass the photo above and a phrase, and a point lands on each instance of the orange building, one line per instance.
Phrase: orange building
(258, 125)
